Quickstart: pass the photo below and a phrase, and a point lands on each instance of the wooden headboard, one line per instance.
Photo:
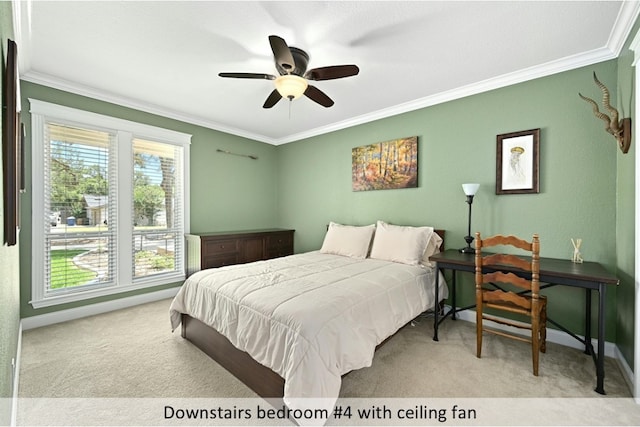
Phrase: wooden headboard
(441, 234)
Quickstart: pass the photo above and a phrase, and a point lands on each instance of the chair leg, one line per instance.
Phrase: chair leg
(479, 331)
(535, 344)
(543, 329)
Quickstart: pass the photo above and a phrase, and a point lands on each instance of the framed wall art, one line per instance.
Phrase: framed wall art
(385, 165)
(518, 162)
(10, 145)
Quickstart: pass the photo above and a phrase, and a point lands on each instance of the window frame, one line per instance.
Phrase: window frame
(126, 131)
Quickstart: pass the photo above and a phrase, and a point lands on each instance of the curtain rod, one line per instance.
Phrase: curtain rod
(237, 154)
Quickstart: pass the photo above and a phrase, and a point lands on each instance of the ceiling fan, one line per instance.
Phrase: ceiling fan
(291, 64)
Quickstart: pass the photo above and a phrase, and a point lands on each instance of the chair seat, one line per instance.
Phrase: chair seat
(513, 308)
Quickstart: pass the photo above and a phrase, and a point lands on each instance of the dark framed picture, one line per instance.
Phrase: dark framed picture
(518, 162)
(10, 145)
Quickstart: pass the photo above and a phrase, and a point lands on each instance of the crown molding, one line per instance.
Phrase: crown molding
(22, 32)
(90, 92)
(505, 80)
(627, 16)
(624, 24)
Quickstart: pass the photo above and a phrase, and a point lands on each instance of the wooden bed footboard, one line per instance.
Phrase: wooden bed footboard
(262, 380)
(257, 377)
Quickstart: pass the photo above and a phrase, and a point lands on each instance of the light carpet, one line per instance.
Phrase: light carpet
(132, 353)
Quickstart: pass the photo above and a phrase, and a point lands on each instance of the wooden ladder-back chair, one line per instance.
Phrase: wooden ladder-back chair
(520, 296)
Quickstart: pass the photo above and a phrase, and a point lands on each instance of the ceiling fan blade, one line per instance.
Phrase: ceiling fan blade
(248, 76)
(316, 95)
(282, 53)
(272, 99)
(332, 72)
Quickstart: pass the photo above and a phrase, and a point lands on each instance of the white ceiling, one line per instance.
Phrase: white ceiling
(164, 57)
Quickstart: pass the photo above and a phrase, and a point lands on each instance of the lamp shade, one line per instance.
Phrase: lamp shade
(291, 86)
(470, 189)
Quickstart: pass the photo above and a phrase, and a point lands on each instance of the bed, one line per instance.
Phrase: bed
(291, 327)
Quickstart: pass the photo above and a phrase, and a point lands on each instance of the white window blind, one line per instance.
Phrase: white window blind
(109, 204)
(157, 208)
(80, 225)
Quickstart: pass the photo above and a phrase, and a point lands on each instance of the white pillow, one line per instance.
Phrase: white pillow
(433, 247)
(348, 240)
(401, 244)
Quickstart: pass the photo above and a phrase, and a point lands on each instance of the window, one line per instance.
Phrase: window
(109, 204)
(157, 207)
(79, 238)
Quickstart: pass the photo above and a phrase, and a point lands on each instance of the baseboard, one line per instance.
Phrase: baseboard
(627, 372)
(553, 335)
(71, 314)
(559, 337)
(98, 308)
(16, 379)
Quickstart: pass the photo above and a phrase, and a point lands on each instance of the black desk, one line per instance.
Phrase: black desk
(588, 275)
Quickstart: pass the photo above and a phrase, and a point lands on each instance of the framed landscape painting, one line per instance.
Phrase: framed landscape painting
(385, 165)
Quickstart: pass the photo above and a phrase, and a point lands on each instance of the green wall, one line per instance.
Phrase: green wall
(9, 274)
(227, 192)
(457, 143)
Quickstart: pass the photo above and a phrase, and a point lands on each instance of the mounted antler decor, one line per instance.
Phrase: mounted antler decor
(620, 129)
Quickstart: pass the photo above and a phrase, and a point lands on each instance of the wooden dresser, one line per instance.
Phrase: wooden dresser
(216, 249)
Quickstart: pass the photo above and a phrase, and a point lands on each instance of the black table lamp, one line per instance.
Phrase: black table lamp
(470, 190)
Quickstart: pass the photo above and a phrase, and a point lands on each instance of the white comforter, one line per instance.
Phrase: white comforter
(310, 317)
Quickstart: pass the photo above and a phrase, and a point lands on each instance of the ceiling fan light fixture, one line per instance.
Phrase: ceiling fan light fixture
(291, 86)
(291, 64)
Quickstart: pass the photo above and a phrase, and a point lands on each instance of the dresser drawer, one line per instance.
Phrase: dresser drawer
(214, 247)
(219, 261)
(279, 252)
(282, 240)
(280, 244)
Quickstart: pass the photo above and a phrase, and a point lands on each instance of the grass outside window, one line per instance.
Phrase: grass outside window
(66, 274)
